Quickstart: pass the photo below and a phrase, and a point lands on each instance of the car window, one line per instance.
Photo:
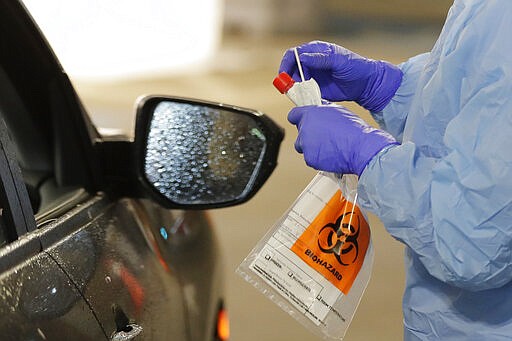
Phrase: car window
(38, 106)
(31, 147)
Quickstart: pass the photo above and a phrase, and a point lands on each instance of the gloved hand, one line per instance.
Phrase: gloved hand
(333, 139)
(344, 75)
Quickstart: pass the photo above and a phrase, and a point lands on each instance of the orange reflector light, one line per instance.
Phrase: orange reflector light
(223, 325)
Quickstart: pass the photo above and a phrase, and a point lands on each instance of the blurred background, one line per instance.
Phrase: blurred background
(229, 51)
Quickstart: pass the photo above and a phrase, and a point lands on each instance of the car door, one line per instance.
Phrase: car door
(38, 300)
(85, 267)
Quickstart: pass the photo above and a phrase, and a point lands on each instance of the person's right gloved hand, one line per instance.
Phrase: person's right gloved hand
(344, 75)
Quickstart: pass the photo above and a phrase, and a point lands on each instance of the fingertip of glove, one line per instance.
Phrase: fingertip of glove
(298, 146)
(295, 115)
(287, 62)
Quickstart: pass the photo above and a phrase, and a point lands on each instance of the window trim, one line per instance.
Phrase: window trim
(18, 215)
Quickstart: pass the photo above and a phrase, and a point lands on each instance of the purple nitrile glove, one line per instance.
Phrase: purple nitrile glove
(344, 75)
(334, 139)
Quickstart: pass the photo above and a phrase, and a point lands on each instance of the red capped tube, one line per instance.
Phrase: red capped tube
(283, 82)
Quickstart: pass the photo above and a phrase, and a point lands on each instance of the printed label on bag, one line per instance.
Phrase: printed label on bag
(335, 243)
(316, 253)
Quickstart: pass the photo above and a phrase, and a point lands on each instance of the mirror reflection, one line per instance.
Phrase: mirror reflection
(198, 154)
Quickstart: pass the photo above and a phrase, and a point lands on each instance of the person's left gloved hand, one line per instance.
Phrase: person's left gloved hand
(334, 139)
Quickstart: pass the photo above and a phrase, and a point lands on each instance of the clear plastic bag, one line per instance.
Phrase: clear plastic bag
(316, 261)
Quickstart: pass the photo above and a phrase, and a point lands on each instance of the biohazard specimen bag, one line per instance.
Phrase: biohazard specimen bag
(316, 261)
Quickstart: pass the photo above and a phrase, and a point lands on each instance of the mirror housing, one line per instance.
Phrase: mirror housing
(198, 155)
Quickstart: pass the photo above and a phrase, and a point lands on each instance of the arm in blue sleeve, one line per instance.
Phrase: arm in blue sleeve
(392, 117)
(453, 209)
(455, 213)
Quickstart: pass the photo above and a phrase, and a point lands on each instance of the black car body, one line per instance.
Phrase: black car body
(93, 246)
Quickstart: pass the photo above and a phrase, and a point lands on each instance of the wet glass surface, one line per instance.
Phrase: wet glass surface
(197, 154)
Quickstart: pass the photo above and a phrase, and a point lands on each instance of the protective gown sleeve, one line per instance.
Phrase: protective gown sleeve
(392, 117)
(454, 209)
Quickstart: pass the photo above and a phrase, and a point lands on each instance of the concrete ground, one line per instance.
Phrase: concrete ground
(242, 74)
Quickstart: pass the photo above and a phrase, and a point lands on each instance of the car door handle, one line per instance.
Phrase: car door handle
(129, 332)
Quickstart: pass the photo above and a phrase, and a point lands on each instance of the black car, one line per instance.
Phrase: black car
(103, 237)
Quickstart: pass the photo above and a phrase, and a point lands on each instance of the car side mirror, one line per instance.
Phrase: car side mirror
(199, 154)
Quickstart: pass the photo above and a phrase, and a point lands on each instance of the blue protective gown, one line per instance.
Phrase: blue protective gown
(446, 191)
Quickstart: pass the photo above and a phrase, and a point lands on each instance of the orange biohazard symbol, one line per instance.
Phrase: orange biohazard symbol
(335, 243)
